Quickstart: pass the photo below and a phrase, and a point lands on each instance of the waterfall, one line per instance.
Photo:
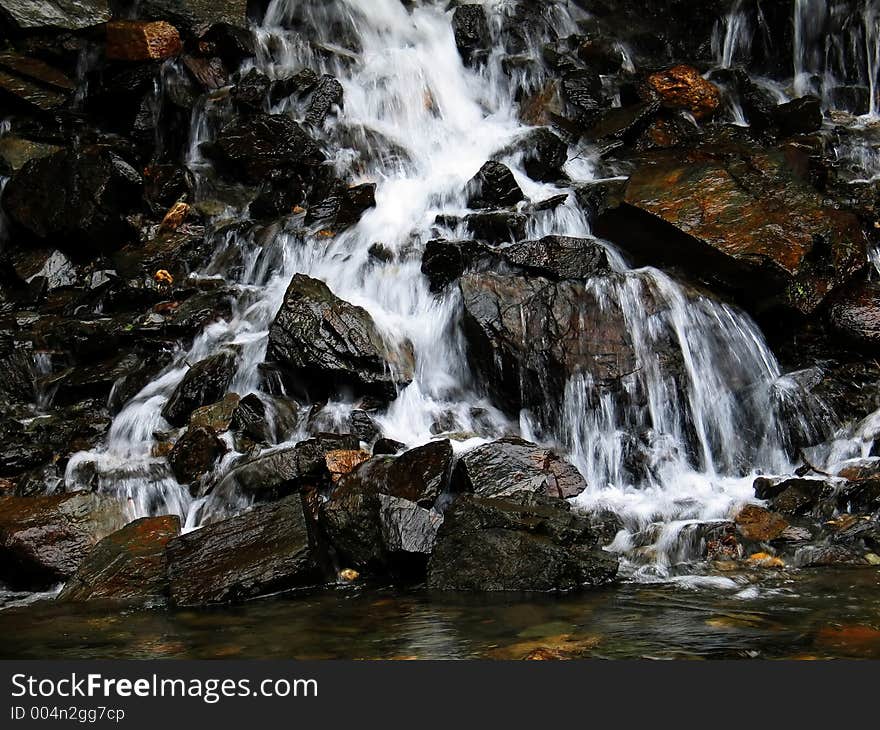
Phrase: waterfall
(732, 38)
(419, 124)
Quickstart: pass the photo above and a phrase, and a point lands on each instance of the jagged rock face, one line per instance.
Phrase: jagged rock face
(386, 507)
(262, 551)
(44, 540)
(133, 40)
(129, 565)
(522, 543)
(325, 344)
(526, 337)
(514, 466)
(78, 198)
(855, 314)
(750, 222)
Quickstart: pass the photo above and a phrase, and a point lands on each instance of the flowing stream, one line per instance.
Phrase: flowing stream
(419, 124)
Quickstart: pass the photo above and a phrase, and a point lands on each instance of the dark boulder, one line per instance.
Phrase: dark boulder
(407, 530)
(327, 94)
(855, 314)
(560, 257)
(262, 551)
(251, 93)
(205, 382)
(44, 540)
(494, 186)
(195, 454)
(79, 199)
(799, 116)
(525, 544)
(385, 506)
(471, 28)
(327, 344)
(497, 226)
(337, 205)
(747, 220)
(127, 565)
(513, 466)
(542, 154)
(527, 337)
(265, 147)
(444, 262)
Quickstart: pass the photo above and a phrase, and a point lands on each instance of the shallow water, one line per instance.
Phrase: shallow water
(828, 614)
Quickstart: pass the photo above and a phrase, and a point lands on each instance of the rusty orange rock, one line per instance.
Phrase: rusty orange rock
(758, 524)
(138, 40)
(342, 462)
(682, 87)
(175, 217)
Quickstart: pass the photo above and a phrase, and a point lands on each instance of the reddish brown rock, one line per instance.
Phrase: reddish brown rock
(43, 540)
(682, 87)
(138, 40)
(746, 219)
(130, 564)
(760, 525)
(342, 462)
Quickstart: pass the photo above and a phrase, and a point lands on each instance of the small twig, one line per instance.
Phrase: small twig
(810, 466)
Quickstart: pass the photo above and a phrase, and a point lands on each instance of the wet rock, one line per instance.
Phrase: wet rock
(750, 222)
(444, 262)
(526, 337)
(512, 466)
(828, 556)
(279, 473)
(494, 186)
(195, 454)
(263, 551)
(527, 544)
(230, 42)
(100, 189)
(542, 153)
(623, 123)
(471, 28)
(855, 314)
(387, 447)
(582, 89)
(137, 40)
(61, 14)
(799, 116)
(251, 93)
(337, 205)
(16, 152)
(406, 528)
(327, 344)
(560, 257)
(682, 87)
(264, 147)
(353, 517)
(205, 382)
(251, 419)
(217, 416)
(32, 84)
(497, 227)
(127, 565)
(44, 540)
(327, 94)
(342, 462)
(362, 425)
(758, 524)
(195, 14)
(164, 185)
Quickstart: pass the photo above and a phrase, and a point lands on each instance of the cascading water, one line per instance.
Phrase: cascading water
(420, 125)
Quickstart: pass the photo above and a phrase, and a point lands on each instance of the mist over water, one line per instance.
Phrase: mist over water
(420, 125)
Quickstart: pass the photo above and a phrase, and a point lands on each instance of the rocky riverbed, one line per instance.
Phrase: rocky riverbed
(504, 296)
